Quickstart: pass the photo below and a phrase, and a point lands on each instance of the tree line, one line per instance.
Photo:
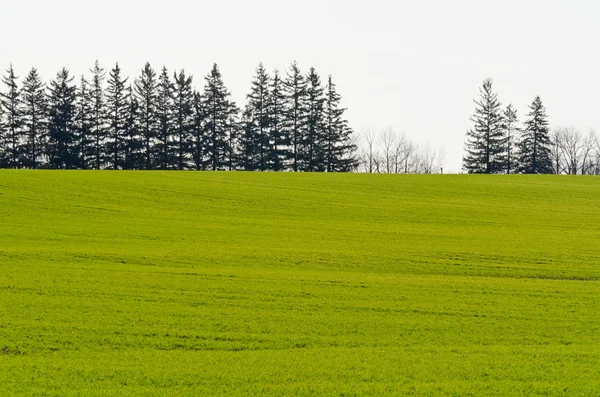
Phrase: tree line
(499, 143)
(159, 120)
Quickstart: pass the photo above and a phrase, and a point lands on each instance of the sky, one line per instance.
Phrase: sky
(413, 66)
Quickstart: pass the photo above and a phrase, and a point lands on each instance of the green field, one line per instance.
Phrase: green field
(240, 284)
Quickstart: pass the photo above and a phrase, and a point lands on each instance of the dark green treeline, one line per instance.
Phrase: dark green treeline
(159, 120)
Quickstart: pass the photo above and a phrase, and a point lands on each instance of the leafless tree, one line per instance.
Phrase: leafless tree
(594, 160)
(392, 152)
(388, 146)
(556, 151)
(398, 151)
(407, 156)
(431, 160)
(573, 150)
(428, 159)
(589, 152)
(370, 138)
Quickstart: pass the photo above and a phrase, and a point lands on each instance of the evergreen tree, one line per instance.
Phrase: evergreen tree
(198, 129)
(220, 125)
(146, 90)
(135, 158)
(62, 133)
(165, 116)
(4, 142)
(511, 131)
(233, 135)
(98, 103)
(279, 142)
(313, 155)
(255, 139)
(117, 110)
(293, 123)
(486, 143)
(338, 146)
(247, 143)
(183, 101)
(296, 112)
(11, 102)
(534, 155)
(34, 119)
(84, 124)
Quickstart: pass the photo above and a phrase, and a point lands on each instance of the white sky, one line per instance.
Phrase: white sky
(411, 65)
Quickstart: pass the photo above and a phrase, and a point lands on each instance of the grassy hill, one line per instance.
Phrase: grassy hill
(237, 284)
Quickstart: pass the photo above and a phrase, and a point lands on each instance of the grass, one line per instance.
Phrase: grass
(238, 284)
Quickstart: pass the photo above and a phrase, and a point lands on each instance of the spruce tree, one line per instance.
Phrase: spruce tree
(338, 146)
(256, 122)
(313, 155)
(117, 110)
(62, 130)
(11, 102)
(296, 112)
(183, 102)
(84, 124)
(133, 140)
(534, 155)
(279, 141)
(233, 136)
(220, 122)
(4, 142)
(486, 143)
(197, 135)
(34, 119)
(146, 90)
(294, 123)
(247, 143)
(511, 132)
(98, 103)
(165, 116)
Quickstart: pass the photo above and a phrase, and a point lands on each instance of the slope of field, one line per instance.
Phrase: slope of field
(238, 284)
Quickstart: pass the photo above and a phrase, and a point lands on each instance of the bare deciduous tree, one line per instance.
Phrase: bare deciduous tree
(368, 159)
(573, 151)
(388, 146)
(392, 152)
(556, 139)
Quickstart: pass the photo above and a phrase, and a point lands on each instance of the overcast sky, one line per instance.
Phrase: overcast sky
(410, 65)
